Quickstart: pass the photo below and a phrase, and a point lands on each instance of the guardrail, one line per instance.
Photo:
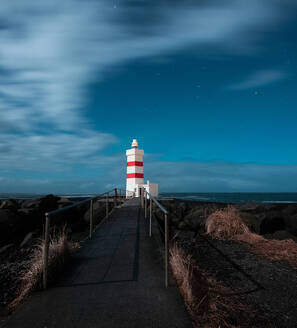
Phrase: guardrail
(144, 200)
(117, 192)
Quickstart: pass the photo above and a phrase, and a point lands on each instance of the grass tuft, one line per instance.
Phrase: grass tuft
(60, 250)
(209, 303)
(227, 224)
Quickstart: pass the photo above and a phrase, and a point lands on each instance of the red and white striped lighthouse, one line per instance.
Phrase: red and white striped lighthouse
(134, 168)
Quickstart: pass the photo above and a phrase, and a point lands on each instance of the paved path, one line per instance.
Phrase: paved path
(117, 281)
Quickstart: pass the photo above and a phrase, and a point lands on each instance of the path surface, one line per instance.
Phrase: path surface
(117, 281)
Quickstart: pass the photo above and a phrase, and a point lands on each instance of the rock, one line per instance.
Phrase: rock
(69, 233)
(11, 227)
(32, 218)
(43, 205)
(63, 202)
(7, 248)
(179, 210)
(196, 219)
(291, 223)
(271, 222)
(183, 235)
(99, 212)
(182, 225)
(290, 210)
(9, 204)
(27, 240)
(250, 207)
(27, 204)
(281, 235)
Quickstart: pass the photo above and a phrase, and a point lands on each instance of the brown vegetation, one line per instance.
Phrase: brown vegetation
(59, 253)
(227, 224)
(209, 303)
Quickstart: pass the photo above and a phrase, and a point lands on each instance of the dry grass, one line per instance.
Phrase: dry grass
(59, 253)
(209, 303)
(227, 224)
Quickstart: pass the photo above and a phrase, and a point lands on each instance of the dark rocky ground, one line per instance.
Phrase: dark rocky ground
(21, 228)
(268, 287)
(273, 221)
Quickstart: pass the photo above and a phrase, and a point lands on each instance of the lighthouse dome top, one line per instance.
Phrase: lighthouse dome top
(134, 143)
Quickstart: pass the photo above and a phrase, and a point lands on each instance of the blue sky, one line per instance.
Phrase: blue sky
(207, 87)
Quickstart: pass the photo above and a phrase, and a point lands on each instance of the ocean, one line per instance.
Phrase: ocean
(220, 197)
(238, 197)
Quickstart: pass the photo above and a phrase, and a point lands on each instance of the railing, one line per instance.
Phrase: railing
(107, 195)
(144, 200)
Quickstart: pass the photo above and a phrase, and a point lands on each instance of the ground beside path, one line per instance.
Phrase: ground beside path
(269, 287)
(117, 281)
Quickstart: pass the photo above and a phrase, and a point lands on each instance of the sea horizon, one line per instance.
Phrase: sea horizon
(220, 197)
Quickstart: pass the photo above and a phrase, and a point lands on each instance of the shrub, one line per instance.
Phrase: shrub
(59, 253)
(225, 224)
(208, 302)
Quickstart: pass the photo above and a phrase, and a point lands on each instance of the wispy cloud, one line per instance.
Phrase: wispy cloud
(50, 51)
(260, 78)
(172, 176)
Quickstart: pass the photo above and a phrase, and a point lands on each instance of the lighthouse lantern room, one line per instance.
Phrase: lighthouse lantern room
(135, 179)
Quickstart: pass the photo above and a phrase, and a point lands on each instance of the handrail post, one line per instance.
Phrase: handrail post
(107, 205)
(115, 197)
(166, 250)
(142, 198)
(145, 204)
(45, 250)
(151, 216)
(91, 218)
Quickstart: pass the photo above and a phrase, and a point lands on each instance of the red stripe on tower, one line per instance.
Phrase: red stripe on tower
(134, 175)
(135, 163)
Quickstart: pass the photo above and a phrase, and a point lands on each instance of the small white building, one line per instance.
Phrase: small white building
(134, 178)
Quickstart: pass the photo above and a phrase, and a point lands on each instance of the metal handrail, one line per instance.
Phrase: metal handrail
(144, 195)
(48, 215)
(76, 204)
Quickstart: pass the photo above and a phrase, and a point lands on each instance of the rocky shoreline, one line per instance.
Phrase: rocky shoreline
(21, 229)
(266, 285)
(274, 221)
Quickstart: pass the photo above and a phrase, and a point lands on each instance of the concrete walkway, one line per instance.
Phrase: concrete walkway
(117, 281)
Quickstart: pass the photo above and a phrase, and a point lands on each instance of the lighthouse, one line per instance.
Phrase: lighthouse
(134, 178)
(134, 167)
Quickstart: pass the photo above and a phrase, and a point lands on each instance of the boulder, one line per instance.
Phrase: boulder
(31, 218)
(290, 210)
(7, 248)
(272, 221)
(281, 235)
(291, 223)
(9, 204)
(99, 212)
(43, 205)
(250, 207)
(27, 240)
(196, 218)
(11, 227)
(63, 202)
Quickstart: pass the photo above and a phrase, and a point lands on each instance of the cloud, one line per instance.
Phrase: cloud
(222, 176)
(51, 51)
(260, 78)
(172, 177)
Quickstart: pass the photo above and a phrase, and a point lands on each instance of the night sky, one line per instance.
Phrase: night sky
(208, 88)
